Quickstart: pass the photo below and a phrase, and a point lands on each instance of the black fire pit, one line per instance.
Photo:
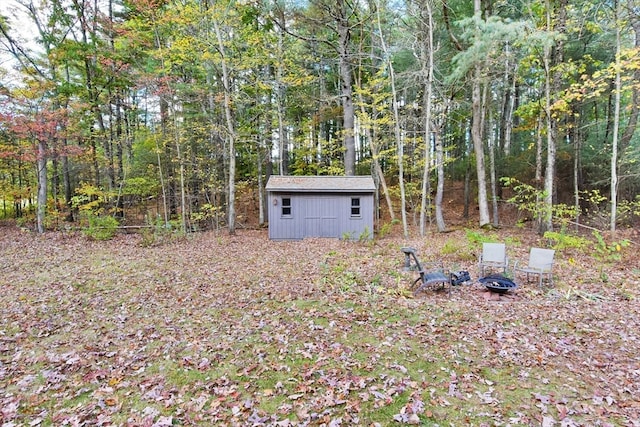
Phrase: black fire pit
(498, 283)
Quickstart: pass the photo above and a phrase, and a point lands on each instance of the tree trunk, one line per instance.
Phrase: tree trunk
(467, 180)
(616, 126)
(546, 223)
(396, 129)
(427, 52)
(226, 81)
(183, 198)
(476, 136)
(348, 112)
(425, 208)
(66, 179)
(577, 144)
(375, 154)
(261, 198)
(119, 136)
(478, 147)
(492, 171)
(440, 185)
(553, 82)
(41, 207)
(508, 106)
(280, 99)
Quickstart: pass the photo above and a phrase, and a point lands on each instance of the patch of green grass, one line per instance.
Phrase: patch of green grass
(81, 398)
(451, 246)
(383, 409)
(270, 403)
(181, 377)
(460, 250)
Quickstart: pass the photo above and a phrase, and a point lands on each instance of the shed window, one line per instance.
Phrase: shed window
(286, 206)
(355, 207)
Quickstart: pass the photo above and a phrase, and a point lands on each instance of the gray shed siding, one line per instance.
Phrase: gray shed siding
(307, 209)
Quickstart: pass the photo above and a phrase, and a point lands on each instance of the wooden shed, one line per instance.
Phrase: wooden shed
(320, 206)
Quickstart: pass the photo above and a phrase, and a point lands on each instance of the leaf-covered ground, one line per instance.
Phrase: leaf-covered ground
(238, 330)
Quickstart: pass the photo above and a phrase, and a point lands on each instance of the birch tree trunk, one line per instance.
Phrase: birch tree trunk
(261, 195)
(616, 126)
(577, 144)
(492, 168)
(440, 185)
(425, 207)
(427, 52)
(546, 223)
(280, 95)
(508, 105)
(183, 198)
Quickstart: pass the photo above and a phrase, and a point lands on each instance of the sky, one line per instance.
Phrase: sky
(18, 20)
(17, 17)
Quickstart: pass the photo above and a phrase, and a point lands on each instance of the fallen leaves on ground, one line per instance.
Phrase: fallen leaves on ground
(240, 330)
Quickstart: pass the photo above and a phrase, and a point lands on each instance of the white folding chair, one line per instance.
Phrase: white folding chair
(540, 264)
(493, 257)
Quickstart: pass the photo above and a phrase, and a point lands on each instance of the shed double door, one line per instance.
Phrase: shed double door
(320, 217)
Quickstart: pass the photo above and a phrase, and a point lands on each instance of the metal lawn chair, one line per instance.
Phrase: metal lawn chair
(493, 257)
(540, 264)
(433, 275)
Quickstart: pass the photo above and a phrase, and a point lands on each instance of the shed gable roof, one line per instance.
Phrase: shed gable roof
(342, 184)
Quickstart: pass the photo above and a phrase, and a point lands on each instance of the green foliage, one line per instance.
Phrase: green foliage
(600, 248)
(593, 197)
(527, 198)
(450, 247)
(90, 199)
(387, 227)
(628, 210)
(157, 232)
(27, 220)
(464, 251)
(101, 227)
(594, 202)
(347, 235)
(610, 252)
(208, 213)
(141, 187)
(562, 240)
(487, 40)
(10, 195)
(476, 237)
(366, 235)
(338, 277)
(531, 200)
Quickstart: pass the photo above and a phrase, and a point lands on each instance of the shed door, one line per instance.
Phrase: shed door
(320, 217)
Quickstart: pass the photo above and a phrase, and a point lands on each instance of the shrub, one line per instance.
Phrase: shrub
(101, 227)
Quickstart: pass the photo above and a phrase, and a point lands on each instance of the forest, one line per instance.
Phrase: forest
(176, 112)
